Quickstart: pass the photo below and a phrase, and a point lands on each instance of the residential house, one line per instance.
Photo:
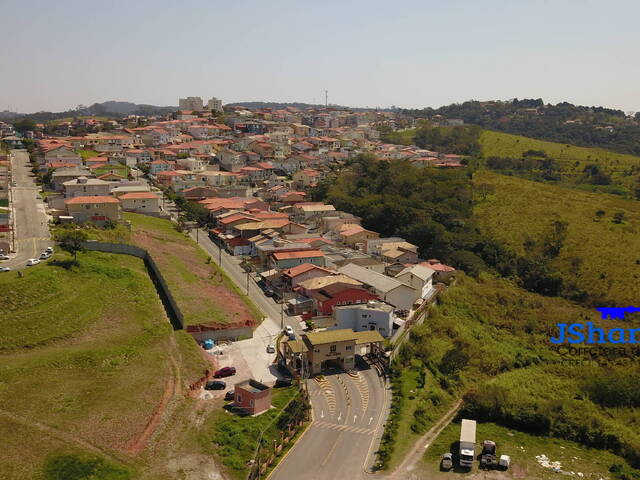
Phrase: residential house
(284, 260)
(420, 278)
(353, 235)
(389, 289)
(292, 277)
(140, 202)
(95, 209)
(84, 187)
(373, 315)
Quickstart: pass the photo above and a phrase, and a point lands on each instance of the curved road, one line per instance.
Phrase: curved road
(29, 215)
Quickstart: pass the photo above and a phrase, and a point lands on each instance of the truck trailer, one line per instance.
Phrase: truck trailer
(467, 443)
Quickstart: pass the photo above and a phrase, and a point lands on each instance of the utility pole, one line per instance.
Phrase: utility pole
(326, 98)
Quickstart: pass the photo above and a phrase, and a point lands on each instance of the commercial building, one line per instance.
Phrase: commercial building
(318, 351)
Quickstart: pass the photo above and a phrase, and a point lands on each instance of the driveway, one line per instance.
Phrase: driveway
(28, 210)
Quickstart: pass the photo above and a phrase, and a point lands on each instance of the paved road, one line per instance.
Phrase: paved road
(348, 416)
(31, 228)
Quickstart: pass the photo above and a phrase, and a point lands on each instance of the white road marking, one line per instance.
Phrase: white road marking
(354, 418)
(370, 420)
(322, 414)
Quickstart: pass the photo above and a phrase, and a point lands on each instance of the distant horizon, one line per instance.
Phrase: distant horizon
(382, 107)
(411, 54)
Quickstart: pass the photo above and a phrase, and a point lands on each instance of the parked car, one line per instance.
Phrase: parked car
(446, 461)
(32, 261)
(288, 330)
(5, 269)
(268, 292)
(4, 257)
(44, 255)
(230, 395)
(271, 348)
(215, 385)
(49, 249)
(225, 372)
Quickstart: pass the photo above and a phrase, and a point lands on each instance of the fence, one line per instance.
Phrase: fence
(170, 305)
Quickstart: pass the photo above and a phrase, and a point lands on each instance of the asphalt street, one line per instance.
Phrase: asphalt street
(31, 222)
(348, 416)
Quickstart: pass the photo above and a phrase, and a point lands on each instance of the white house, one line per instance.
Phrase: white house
(372, 315)
(419, 277)
(389, 289)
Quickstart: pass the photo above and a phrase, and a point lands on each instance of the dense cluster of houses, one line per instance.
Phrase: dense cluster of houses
(252, 170)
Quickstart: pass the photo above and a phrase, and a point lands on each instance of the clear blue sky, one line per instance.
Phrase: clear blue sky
(58, 54)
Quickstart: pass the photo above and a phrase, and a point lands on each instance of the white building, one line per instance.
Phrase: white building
(366, 316)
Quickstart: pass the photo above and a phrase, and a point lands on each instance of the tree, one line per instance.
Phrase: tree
(618, 217)
(72, 241)
(24, 125)
(600, 214)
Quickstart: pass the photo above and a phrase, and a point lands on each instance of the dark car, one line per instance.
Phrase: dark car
(282, 383)
(230, 395)
(268, 292)
(215, 385)
(225, 372)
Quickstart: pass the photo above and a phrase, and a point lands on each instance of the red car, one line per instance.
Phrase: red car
(225, 372)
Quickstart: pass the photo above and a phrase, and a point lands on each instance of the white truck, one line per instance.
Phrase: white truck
(467, 443)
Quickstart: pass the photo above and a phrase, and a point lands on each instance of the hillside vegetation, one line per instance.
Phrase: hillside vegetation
(86, 356)
(541, 160)
(489, 341)
(598, 253)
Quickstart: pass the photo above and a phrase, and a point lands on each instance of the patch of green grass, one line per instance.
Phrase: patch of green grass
(522, 448)
(622, 168)
(235, 437)
(119, 169)
(87, 153)
(600, 256)
(89, 345)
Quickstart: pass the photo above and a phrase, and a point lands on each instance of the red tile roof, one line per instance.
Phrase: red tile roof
(133, 195)
(305, 267)
(91, 199)
(303, 254)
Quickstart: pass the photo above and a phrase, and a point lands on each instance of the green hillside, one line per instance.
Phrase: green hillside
(86, 354)
(488, 341)
(623, 169)
(598, 254)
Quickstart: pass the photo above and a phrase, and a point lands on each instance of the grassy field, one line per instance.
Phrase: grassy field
(233, 438)
(203, 292)
(523, 449)
(600, 256)
(84, 361)
(622, 168)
